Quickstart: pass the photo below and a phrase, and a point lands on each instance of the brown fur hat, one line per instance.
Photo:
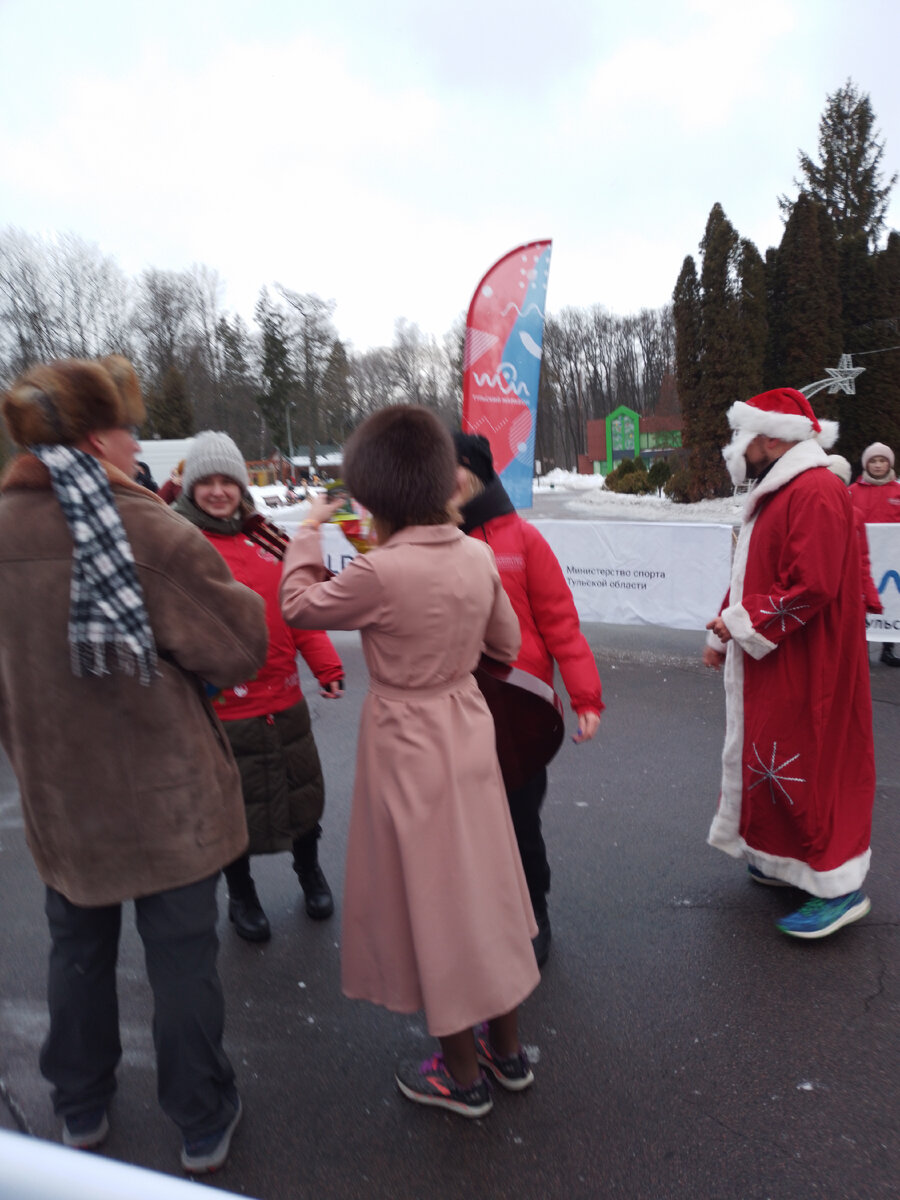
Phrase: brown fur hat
(401, 465)
(62, 401)
(126, 380)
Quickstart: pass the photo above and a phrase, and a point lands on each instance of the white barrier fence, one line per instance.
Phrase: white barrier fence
(669, 574)
(884, 551)
(643, 573)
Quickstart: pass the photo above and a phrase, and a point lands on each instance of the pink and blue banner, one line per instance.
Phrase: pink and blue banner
(502, 363)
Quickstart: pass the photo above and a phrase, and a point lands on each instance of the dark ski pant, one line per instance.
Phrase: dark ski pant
(525, 809)
(237, 874)
(195, 1080)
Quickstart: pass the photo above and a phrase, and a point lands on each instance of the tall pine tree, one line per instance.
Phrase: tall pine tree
(848, 180)
(720, 342)
(337, 398)
(278, 388)
(686, 315)
(805, 307)
(169, 411)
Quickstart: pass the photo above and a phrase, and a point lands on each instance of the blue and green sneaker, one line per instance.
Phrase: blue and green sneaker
(818, 917)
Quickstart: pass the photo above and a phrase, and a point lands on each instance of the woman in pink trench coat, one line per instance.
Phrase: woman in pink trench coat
(436, 910)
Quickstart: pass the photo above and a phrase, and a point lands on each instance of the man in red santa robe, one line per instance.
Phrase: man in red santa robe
(798, 770)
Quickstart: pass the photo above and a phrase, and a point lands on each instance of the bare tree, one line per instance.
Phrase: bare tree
(59, 298)
(93, 299)
(26, 315)
(165, 305)
(311, 338)
(372, 376)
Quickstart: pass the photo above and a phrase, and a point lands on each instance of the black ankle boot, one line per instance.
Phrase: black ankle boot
(246, 914)
(317, 893)
(541, 943)
(888, 657)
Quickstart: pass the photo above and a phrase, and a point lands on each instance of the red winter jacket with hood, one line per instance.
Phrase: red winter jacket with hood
(537, 588)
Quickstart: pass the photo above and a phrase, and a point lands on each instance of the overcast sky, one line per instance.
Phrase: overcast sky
(383, 155)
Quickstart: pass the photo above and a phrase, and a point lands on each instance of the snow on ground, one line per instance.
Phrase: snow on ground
(584, 494)
(275, 501)
(588, 495)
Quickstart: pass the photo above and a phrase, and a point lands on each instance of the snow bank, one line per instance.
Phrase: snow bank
(588, 495)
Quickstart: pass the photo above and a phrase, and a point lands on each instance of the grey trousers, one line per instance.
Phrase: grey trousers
(195, 1080)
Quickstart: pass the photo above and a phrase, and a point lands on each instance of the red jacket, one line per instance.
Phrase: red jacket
(277, 684)
(870, 591)
(879, 503)
(537, 588)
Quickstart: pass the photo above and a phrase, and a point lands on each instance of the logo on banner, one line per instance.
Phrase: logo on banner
(502, 363)
(884, 551)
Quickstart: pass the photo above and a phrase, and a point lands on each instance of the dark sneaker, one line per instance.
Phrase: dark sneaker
(317, 893)
(769, 880)
(246, 915)
(201, 1155)
(513, 1073)
(541, 943)
(85, 1130)
(431, 1083)
(817, 917)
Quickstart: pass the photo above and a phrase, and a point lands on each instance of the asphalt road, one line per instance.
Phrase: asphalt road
(685, 1049)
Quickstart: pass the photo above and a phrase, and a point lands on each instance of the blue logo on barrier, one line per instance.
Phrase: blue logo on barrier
(889, 575)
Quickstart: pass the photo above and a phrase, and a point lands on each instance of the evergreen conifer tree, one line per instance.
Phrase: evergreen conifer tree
(723, 374)
(872, 293)
(753, 319)
(805, 313)
(169, 411)
(720, 345)
(848, 186)
(337, 398)
(687, 319)
(278, 385)
(848, 180)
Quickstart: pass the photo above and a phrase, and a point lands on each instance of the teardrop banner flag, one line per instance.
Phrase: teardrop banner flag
(502, 363)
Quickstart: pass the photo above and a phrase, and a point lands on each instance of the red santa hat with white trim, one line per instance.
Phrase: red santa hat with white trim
(782, 413)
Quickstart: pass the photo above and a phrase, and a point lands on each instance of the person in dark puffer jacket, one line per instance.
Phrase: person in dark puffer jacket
(266, 718)
(551, 634)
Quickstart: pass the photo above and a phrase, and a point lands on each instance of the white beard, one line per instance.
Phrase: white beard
(735, 456)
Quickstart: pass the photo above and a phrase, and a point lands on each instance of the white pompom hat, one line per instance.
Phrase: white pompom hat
(874, 451)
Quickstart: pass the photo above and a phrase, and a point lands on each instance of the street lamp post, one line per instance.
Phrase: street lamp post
(287, 418)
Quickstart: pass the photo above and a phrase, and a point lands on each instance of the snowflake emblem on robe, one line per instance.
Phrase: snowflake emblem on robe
(781, 610)
(773, 774)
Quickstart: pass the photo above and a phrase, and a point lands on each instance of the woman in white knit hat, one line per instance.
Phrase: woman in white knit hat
(876, 494)
(266, 718)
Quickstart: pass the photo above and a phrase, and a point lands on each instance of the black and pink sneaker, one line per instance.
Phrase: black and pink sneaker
(431, 1083)
(513, 1073)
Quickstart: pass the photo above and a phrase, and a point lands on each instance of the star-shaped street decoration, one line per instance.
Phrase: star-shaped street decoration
(841, 378)
(844, 376)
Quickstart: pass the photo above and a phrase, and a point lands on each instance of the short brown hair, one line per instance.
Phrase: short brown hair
(401, 465)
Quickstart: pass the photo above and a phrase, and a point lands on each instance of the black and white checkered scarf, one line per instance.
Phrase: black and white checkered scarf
(107, 609)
